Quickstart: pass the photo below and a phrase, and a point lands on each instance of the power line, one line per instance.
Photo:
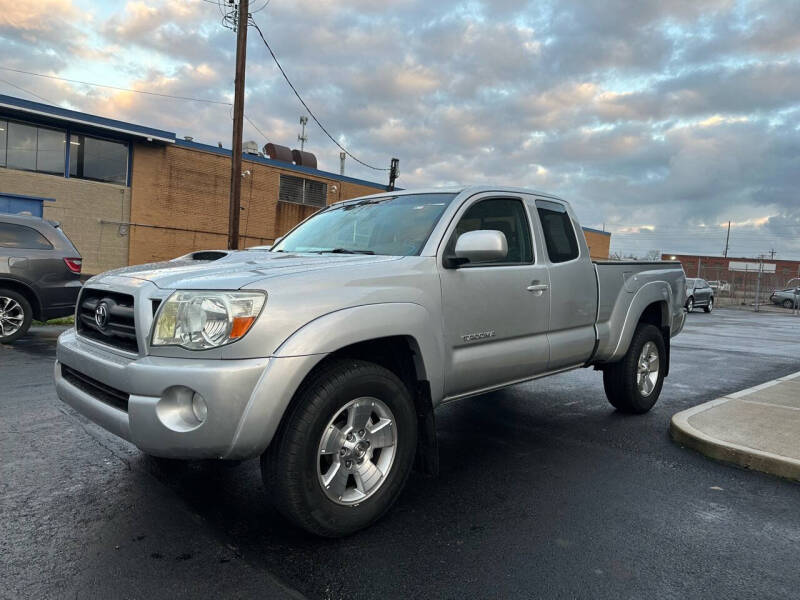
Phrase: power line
(149, 93)
(27, 91)
(256, 127)
(114, 87)
(310, 112)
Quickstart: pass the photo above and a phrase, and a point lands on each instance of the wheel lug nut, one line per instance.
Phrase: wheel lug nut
(361, 433)
(350, 437)
(343, 451)
(348, 464)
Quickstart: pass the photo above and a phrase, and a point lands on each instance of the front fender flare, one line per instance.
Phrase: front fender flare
(305, 348)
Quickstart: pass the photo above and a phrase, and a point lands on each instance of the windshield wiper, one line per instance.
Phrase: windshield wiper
(346, 251)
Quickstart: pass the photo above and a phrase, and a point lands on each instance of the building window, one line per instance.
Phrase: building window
(98, 160)
(32, 148)
(3, 136)
(298, 190)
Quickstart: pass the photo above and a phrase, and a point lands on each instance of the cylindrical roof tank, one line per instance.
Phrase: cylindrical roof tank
(277, 152)
(304, 159)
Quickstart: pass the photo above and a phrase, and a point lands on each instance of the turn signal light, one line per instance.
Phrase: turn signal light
(74, 264)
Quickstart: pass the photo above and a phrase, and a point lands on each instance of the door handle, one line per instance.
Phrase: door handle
(538, 287)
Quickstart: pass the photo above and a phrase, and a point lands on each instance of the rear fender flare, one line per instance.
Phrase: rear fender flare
(650, 293)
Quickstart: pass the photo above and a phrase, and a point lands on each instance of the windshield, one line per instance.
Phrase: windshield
(690, 282)
(391, 225)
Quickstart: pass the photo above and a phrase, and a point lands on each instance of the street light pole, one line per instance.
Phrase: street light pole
(238, 113)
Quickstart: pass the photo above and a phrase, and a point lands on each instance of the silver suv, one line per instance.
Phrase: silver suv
(39, 274)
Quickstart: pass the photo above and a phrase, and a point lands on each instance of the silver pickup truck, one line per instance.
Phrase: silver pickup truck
(327, 354)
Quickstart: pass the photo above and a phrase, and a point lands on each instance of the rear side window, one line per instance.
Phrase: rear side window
(19, 236)
(559, 234)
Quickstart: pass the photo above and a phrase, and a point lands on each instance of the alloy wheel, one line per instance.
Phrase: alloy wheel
(356, 451)
(11, 316)
(647, 371)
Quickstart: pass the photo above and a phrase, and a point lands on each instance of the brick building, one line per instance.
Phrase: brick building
(128, 194)
(598, 241)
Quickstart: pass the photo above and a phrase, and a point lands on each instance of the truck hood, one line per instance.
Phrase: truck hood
(234, 270)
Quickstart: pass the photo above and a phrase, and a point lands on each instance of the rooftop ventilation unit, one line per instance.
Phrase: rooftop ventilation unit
(250, 147)
(279, 153)
(304, 159)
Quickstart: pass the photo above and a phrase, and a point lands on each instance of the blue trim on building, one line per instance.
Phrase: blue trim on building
(597, 231)
(73, 116)
(22, 197)
(280, 165)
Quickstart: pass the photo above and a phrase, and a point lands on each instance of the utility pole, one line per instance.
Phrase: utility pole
(238, 112)
(342, 156)
(727, 239)
(758, 281)
(772, 254)
(303, 138)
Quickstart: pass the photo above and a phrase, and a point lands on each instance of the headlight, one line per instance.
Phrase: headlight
(200, 320)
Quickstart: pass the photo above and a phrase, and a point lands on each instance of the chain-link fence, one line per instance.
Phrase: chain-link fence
(753, 286)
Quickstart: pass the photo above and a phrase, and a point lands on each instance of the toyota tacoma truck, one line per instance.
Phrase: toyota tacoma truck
(327, 354)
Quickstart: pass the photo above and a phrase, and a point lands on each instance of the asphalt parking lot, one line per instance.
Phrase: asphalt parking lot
(545, 492)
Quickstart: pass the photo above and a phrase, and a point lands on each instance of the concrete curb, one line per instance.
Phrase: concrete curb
(749, 458)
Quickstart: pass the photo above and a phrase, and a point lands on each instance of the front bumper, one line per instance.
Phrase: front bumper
(245, 398)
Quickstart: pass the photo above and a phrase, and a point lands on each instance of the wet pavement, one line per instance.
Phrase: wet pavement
(545, 491)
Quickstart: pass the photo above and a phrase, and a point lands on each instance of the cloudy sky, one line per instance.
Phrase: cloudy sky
(660, 120)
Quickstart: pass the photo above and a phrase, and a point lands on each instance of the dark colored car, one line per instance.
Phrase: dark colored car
(699, 293)
(39, 274)
(786, 298)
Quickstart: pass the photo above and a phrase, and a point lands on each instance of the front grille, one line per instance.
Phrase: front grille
(120, 327)
(100, 391)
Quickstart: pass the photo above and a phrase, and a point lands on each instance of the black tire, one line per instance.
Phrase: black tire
(289, 467)
(690, 304)
(788, 304)
(710, 306)
(27, 315)
(620, 379)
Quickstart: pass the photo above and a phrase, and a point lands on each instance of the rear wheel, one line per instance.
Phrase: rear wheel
(710, 306)
(15, 316)
(345, 449)
(633, 384)
(788, 304)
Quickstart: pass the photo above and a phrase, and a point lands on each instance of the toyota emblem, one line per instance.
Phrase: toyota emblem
(101, 315)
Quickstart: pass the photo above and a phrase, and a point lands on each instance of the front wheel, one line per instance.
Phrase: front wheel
(345, 449)
(690, 304)
(15, 316)
(633, 384)
(710, 306)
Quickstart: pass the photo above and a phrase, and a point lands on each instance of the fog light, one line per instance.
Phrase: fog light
(199, 407)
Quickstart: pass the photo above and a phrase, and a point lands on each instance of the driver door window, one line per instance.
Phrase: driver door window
(506, 215)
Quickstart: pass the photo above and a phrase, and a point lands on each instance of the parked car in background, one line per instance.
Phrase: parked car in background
(39, 274)
(699, 293)
(786, 298)
(720, 286)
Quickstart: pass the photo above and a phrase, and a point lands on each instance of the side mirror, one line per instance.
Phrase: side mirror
(479, 246)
